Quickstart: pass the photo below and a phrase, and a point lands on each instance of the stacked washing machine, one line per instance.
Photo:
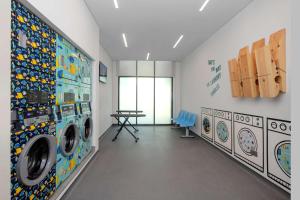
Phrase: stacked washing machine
(33, 141)
(67, 97)
(85, 110)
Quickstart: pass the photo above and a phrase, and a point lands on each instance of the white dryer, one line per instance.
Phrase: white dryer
(223, 130)
(207, 124)
(279, 151)
(249, 140)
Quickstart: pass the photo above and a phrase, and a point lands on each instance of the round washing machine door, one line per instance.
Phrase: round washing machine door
(69, 139)
(206, 125)
(87, 128)
(36, 159)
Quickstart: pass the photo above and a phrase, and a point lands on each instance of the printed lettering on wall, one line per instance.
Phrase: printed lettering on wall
(213, 85)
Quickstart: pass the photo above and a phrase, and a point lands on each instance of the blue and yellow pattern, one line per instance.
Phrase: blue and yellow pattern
(67, 61)
(65, 166)
(33, 81)
(283, 157)
(85, 70)
(67, 94)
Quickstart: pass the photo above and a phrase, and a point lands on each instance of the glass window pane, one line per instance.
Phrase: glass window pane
(146, 100)
(127, 95)
(163, 100)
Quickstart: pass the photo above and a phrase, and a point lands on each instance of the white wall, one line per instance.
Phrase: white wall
(258, 20)
(105, 91)
(5, 12)
(177, 89)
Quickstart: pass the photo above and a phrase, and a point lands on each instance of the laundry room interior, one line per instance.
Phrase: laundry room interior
(149, 100)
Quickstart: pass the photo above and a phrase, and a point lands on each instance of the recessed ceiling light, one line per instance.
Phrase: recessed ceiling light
(125, 40)
(148, 55)
(180, 38)
(116, 3)
(204, 5)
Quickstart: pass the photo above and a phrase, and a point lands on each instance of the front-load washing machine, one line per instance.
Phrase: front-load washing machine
(249, 140)
(33, 142)
(207, 124)
(279, 152)
(223, 130)
(33, 153)
(86, 129)
(68, 136)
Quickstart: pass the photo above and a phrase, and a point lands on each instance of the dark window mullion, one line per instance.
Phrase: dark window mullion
(154, 93)
(136, 103)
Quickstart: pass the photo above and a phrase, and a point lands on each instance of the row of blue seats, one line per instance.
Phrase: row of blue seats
(185, 119)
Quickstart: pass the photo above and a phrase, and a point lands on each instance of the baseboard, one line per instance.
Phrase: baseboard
(105, 133)
(66, 185)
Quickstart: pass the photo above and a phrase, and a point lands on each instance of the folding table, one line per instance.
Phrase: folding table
(123, 124)
(129, 112)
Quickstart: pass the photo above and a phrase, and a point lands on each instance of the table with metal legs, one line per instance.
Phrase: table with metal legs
(129, 112)
(123, 124)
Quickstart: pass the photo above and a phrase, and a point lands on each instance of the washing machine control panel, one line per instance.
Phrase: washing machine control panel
(35, 97)
(69, 97)
(66, 110)
(31, 88)
(85, 107)
(279, 126)
(223, 114)
(85, 97)
(26, 117)
(207, 111)
(248, 120)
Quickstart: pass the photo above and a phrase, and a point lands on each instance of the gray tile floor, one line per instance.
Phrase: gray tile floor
(162, 166)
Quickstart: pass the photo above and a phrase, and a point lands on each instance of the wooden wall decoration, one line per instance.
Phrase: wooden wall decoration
(235, 77)
(261, 72)
(248, 73)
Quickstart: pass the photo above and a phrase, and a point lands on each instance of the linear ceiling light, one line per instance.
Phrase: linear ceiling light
(148, 55)
(204, 5)
(180, 38)
(125, 40)
(116, 3)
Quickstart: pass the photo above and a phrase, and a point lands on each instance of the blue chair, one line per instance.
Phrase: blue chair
(182, 119)
(178, 117)
(185, 119)
(190, 122)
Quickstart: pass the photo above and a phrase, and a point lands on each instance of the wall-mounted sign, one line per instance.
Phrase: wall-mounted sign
(216, 71)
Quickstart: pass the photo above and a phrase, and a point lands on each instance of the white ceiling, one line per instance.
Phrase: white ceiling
(155, 25)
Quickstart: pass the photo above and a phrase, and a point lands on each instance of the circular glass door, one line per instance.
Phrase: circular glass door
(70, 140)
(88, 129)
(36, 159)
